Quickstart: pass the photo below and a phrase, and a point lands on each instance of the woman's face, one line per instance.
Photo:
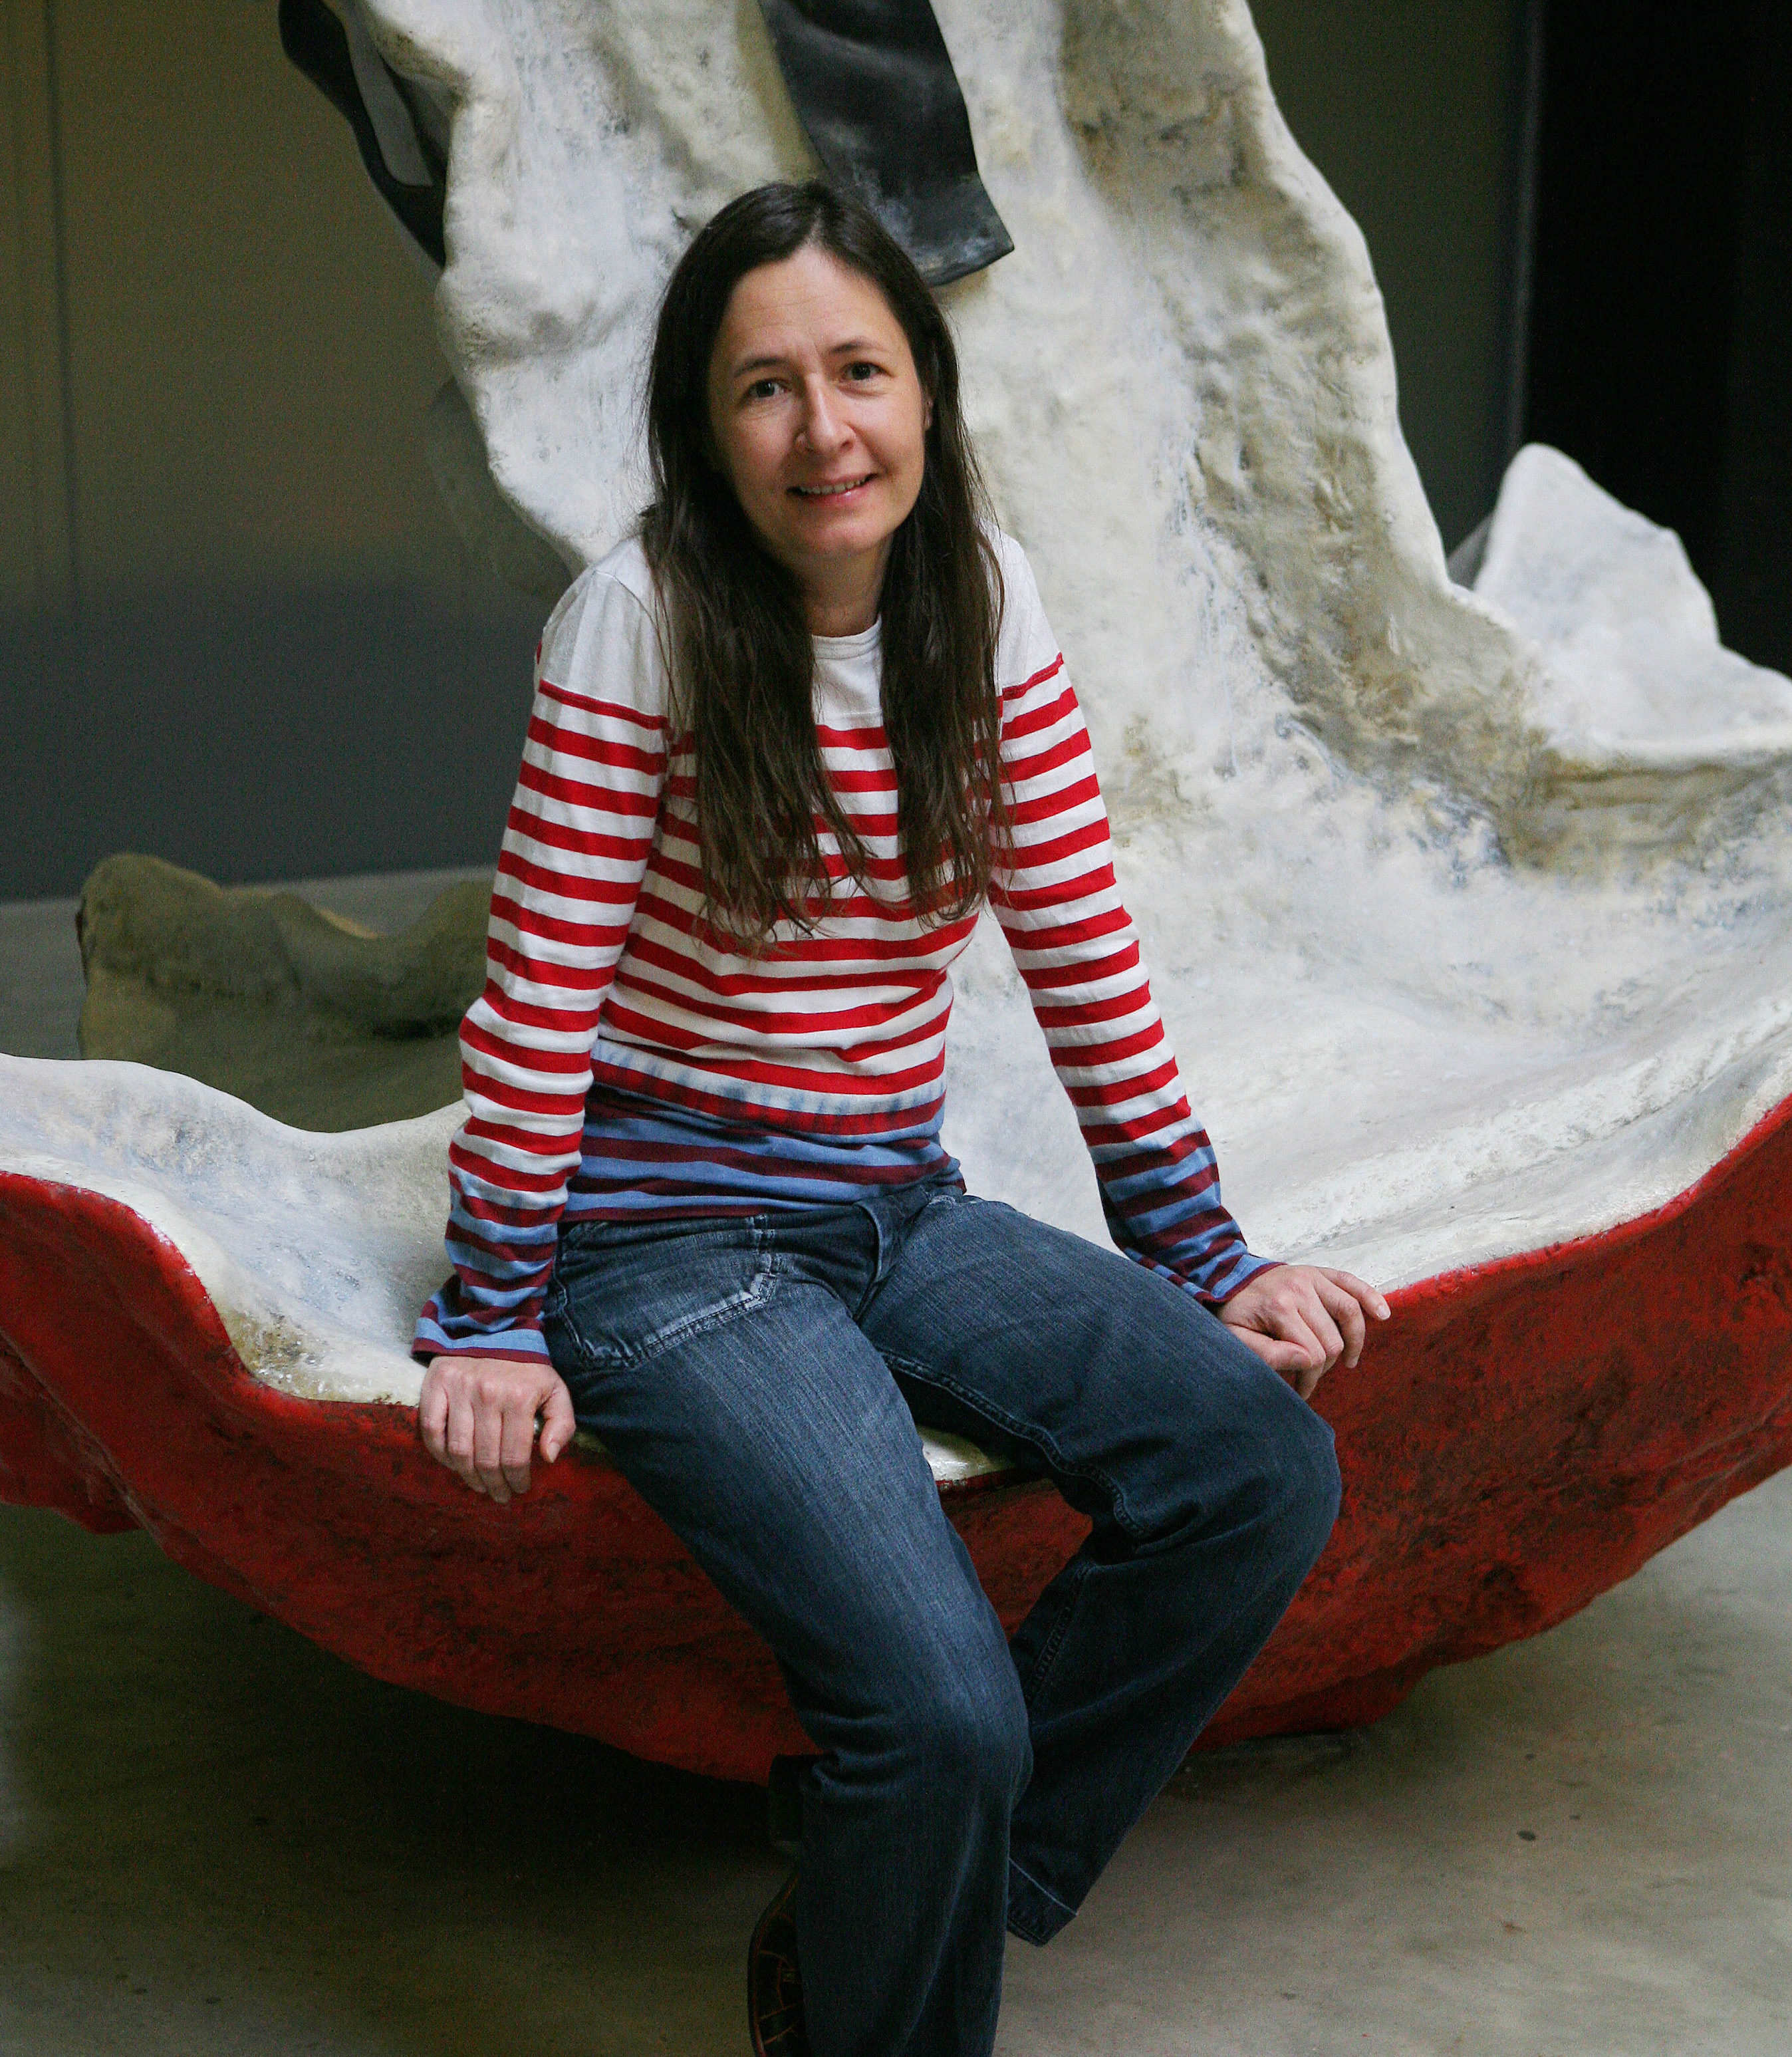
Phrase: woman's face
(820, 422)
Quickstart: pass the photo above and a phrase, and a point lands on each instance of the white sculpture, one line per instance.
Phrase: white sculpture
(1468, 913)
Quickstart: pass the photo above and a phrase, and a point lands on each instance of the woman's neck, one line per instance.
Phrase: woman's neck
(840, 596)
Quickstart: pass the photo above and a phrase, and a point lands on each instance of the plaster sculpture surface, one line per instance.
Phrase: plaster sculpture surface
(1468, 911)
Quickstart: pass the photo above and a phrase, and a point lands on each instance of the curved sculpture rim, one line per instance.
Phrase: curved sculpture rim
(1525, 1434)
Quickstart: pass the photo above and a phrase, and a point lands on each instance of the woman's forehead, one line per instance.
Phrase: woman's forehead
(807, 301)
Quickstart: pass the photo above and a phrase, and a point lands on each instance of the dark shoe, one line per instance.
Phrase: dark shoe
(774, 1992)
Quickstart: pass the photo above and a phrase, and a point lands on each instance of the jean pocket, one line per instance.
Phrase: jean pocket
(617, 1302)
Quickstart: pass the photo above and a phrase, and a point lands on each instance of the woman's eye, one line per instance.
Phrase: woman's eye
(864, 369)
(761, 389)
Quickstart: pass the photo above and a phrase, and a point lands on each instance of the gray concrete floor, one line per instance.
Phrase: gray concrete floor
(215, 1838)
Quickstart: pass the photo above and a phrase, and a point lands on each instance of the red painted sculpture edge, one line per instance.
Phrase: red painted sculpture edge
(1521, 1436)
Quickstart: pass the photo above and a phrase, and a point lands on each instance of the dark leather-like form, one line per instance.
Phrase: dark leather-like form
(873, 84)
(319, 45)
(877, 97)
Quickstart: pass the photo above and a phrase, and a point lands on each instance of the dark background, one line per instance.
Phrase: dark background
(1657, 353)
(237, 629)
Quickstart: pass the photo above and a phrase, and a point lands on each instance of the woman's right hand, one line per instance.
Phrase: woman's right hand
(478, 1415)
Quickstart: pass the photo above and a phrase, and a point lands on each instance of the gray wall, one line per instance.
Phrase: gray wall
(236, 627)
(1411, 109)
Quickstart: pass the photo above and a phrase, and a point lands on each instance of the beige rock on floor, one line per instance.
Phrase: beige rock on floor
(314, 1018)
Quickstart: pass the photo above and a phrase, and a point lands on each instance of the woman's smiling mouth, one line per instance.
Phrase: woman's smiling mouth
(832, 492)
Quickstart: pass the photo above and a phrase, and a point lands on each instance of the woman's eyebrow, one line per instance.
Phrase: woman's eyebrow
(854, 346)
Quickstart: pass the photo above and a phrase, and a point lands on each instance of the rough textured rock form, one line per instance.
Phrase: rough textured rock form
(1649, 718)
(1363, 819)
(1180, 379)
(300, 1013)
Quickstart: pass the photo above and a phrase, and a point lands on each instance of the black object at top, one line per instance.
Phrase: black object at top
(875, 90)
(319, 45)
(871, 83)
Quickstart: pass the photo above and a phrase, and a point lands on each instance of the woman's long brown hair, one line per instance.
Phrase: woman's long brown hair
(742, 663)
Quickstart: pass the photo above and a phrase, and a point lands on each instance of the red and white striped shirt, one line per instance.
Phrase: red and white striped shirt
(620, 1065)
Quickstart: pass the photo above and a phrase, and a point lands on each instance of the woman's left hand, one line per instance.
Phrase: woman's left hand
(1301, 1318)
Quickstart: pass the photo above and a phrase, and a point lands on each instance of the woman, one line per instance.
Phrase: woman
(787, 741)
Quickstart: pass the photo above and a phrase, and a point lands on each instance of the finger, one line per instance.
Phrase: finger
(1322, 1330)
(488, 1445)
(1290, 1316)
(517, 1442)
(1344, 1309)
(459, 1438)
(1360, 1290)
(558, 1423)
(1278, 1323)
(1314, 1362)
(1282, 1357)
(432, 1413)
(1294, 1362)
(1315, 1311)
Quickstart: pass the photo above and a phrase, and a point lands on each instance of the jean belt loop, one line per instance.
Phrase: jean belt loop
(886, 1243)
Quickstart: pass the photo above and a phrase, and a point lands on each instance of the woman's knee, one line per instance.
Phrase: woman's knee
(1266, 1462)
(962, 1727)
(1310, 1486)
(976, 1744)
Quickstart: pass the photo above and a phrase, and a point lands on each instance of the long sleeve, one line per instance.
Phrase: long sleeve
(1076, 948)
(575, 847)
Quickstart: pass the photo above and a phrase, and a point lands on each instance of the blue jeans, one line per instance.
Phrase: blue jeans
(759, 1381)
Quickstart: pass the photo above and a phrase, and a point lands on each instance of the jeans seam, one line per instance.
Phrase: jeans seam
(1045, 1890)
(613, 1240)
(1040, 1670)
(1023, 1431)
(1034, 1682)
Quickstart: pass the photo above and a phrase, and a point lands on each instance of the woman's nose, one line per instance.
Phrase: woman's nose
(821, 428)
